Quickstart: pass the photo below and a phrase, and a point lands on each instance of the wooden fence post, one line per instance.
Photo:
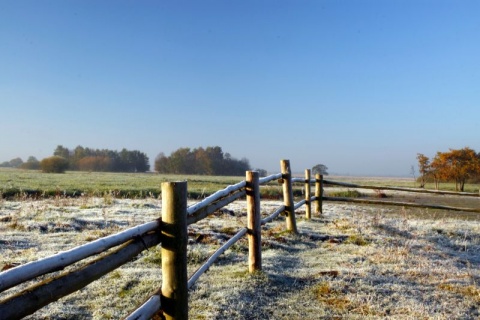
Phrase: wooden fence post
(174, 292)
(254, 222)
(308, 204)
(319, 193)
(288, 196)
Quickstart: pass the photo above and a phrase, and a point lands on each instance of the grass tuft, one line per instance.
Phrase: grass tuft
(357, 239)
(470, 291)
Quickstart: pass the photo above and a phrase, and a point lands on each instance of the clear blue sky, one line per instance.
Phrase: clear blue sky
(360, 86)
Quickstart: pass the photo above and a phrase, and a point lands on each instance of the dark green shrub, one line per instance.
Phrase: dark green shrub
(55, 164)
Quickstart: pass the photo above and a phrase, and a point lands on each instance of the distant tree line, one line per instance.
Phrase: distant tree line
(31, 164)
(202, 161)
(87, 159)
(208, 161)
(457, 165)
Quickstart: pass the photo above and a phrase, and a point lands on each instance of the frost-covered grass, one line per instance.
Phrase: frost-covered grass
(353, 262)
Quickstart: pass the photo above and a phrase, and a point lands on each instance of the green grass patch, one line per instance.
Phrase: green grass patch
(16, 183)
(345, 194)
(358, 240)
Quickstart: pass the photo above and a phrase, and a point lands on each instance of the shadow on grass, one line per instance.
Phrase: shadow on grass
(447, 245)
(264, 292)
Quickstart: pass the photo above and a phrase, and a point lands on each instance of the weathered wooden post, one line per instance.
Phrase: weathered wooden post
(288, 196)
(254, 222)
(174, 292)
(308, 204)
(319, 193)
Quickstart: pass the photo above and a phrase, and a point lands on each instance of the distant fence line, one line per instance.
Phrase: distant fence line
(171, 300)
(397, 203)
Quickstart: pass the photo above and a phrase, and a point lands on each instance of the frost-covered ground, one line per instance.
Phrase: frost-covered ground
(353, 262)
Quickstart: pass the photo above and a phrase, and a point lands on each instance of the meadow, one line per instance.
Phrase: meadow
(352, 262)
(18, 183)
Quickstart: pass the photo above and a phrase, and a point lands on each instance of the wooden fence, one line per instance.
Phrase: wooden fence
(397, 203)
(171, 300)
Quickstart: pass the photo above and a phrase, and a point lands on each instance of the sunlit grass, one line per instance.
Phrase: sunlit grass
(14, 182)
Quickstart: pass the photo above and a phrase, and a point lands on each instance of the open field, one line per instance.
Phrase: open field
(355, 261)
(18, 183)
(21, 184)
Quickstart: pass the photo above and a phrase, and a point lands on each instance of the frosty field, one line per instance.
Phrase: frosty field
(353, 262)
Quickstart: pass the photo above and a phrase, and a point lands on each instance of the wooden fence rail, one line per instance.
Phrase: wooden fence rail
(417, 190)
(39, 295)
(401, 203)
(28, 271)
(171, 300)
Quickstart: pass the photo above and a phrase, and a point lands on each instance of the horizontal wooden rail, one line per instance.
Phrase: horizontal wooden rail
(208, 209)
(215, 256)
(303, 180)
(402, 204)
(14, 276)
(274, 215)
(33, 298)
(222, 198)
(147, 310)
(214, 197)
(418, 190)
(299, 204)
(272, 177)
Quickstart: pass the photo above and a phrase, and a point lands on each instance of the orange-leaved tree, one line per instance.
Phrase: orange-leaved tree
(456, 165)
